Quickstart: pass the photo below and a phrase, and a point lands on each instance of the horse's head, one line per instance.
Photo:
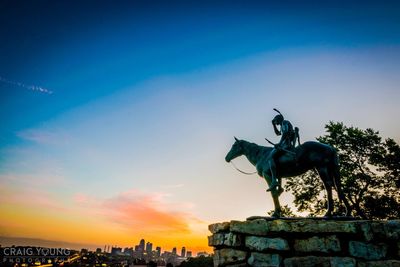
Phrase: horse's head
(236, 150)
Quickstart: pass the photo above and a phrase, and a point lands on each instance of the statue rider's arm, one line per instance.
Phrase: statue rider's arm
(285, 132)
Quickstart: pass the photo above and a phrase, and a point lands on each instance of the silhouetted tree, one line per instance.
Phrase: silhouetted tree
(370, 174)
(285, 211)
(201, 261)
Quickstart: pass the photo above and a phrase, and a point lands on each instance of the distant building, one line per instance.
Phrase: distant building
(141, 245)
(189, 254)
(183, 252)
(174, 251)
(116, 251)
(137, 248)
(166, 254)
(149, 247)
(128, 251)
(158, 250)
(84, 251)
(98, 250)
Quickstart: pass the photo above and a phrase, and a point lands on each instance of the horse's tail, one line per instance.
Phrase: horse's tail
(335, 171)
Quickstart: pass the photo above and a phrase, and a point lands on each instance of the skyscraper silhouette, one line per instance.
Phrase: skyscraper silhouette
(149, 247)
(183, 252)
(141, 245)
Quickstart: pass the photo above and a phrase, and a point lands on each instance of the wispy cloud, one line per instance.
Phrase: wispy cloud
(37, 198)
(25, 86)
(139, 211)
(145, 212)
(44, 136)
(46, 178)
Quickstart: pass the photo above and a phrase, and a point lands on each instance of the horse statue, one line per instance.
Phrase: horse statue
(308, 156)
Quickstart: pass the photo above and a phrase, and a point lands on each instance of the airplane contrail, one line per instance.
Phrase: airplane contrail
(29, 87)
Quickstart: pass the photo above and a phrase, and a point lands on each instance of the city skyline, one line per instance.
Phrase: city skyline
(117, 116)
(142, 253)
(48, 256)
(142, 246)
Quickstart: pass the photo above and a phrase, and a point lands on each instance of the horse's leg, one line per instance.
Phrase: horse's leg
(327, 181)
(280, 188)
(275, 197)
(272, 168)
(343, 198)
(338, 185)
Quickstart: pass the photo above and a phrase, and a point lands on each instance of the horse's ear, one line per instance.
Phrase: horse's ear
(236, 138)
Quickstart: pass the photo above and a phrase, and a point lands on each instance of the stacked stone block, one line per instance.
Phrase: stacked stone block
(306, 242)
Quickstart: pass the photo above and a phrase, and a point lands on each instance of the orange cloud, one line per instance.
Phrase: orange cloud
(135, 210)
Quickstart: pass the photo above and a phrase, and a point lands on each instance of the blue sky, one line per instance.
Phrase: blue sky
(147, 96)
(86, 51)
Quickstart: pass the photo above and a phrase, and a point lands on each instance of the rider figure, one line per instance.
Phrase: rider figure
(286, 144)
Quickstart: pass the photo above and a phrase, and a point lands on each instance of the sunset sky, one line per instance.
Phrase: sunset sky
(116, 117)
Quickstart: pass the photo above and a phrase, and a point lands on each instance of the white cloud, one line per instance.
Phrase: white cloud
(34, 88)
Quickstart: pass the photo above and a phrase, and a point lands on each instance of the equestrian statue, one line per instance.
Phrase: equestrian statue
(285, 159)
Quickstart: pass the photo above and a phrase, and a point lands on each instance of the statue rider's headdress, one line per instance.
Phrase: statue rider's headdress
(277, 118)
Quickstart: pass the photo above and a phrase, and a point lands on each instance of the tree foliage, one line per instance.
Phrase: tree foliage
(201, 261)
(370, 175)
(285, 212)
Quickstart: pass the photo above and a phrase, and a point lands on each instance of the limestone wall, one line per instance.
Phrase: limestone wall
(306, 242)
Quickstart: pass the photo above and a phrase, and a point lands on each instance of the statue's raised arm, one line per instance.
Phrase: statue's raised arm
(285, 145)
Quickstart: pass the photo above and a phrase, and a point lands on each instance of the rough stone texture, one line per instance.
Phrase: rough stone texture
(256, 227)
(392, 230)
(244, 264)
(389, 263)
(263, 227)
(265, 243)
(367, 251)
(306, 242)
(343, 262)
(366, 230)
(320, 261)
(218, 227)
(226, 256)
(379, 231)
(225, 239)
(318, 244)
(264, 260)
(398, 249)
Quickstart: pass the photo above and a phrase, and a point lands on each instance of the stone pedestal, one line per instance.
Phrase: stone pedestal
(306, 242)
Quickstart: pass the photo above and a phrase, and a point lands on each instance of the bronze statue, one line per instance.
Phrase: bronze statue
(285, 146)
(307, 156)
